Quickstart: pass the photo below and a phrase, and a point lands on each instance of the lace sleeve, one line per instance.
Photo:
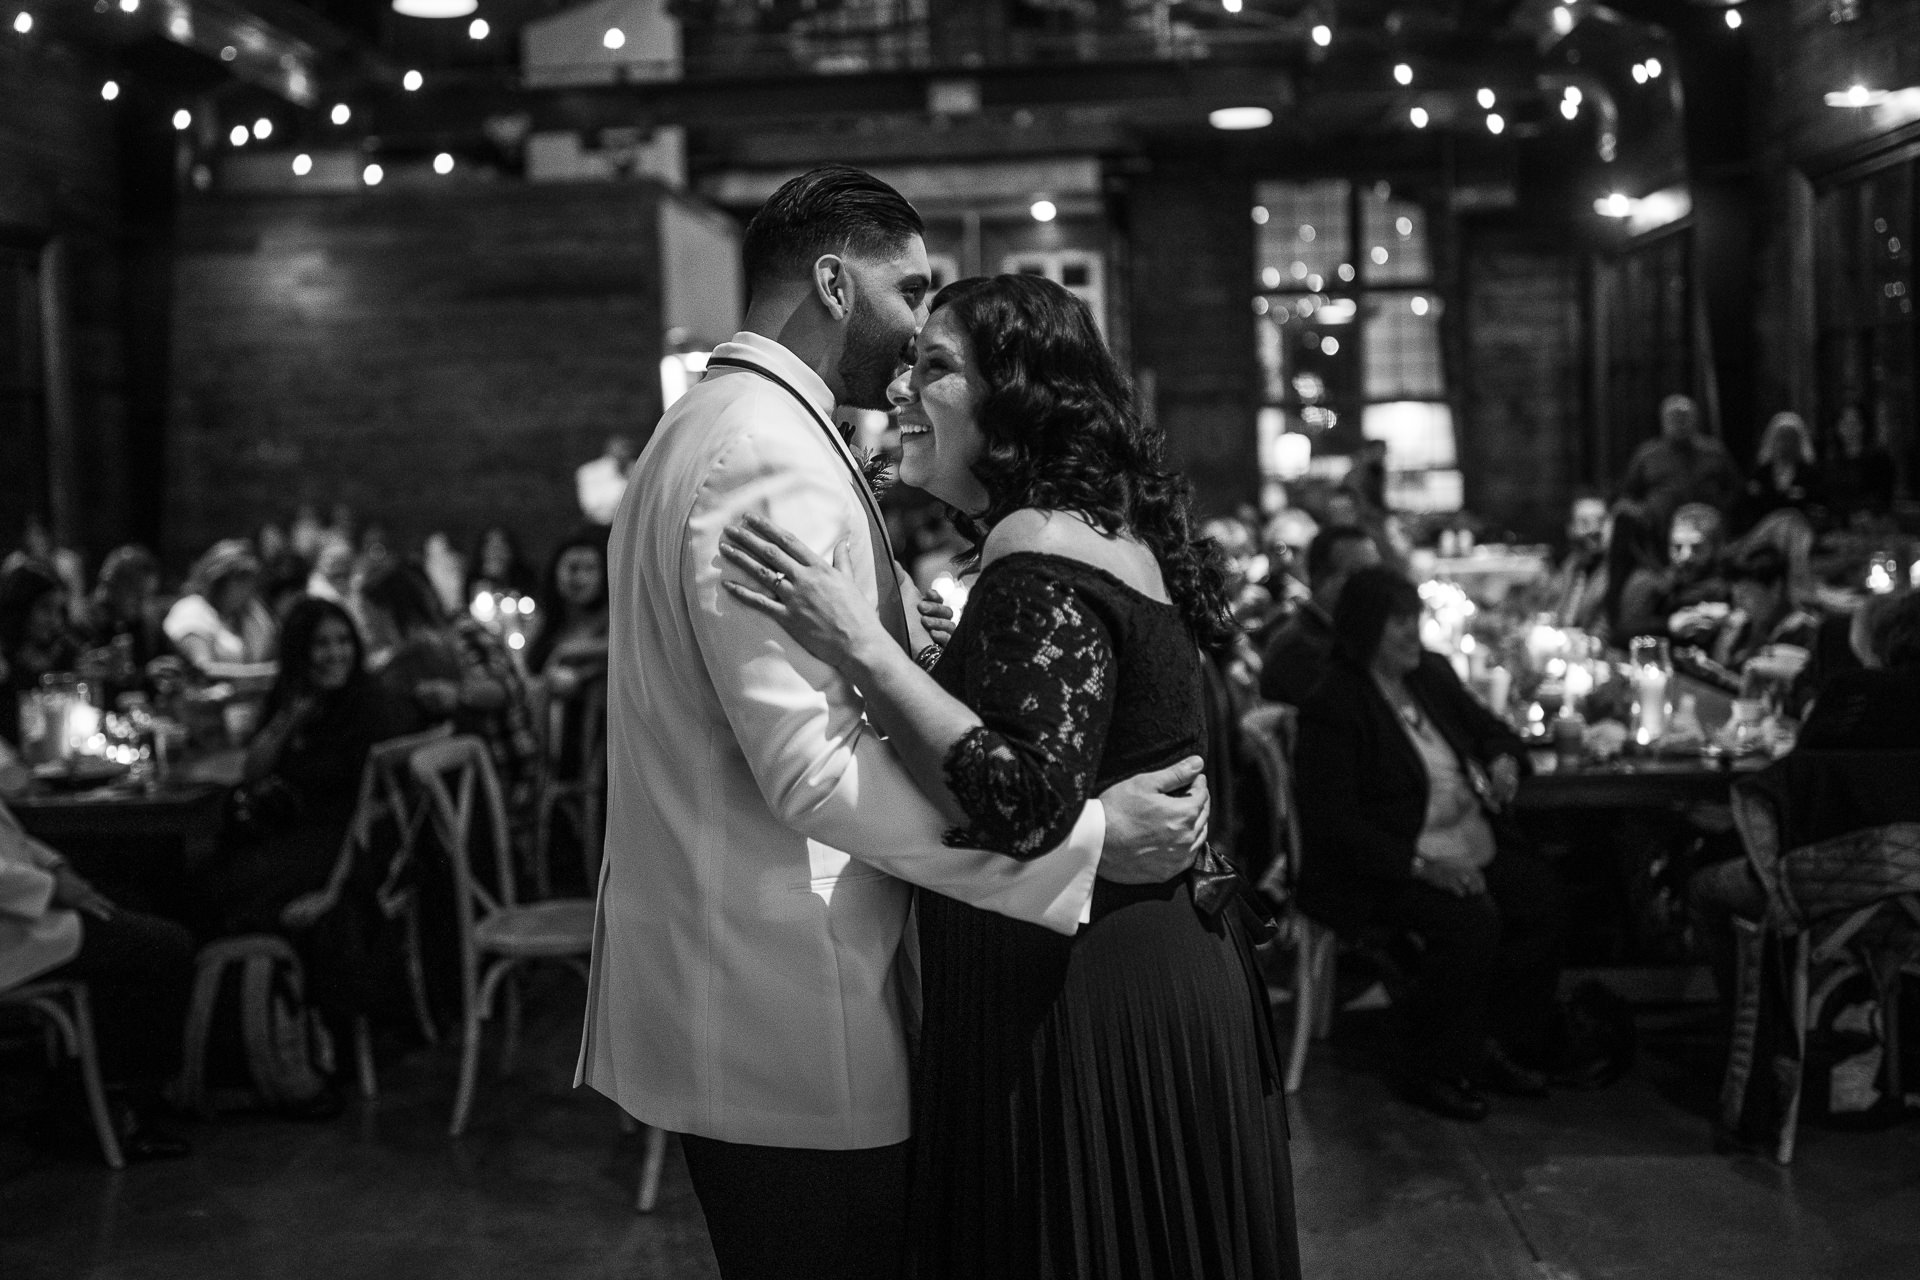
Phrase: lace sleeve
(1038, 668)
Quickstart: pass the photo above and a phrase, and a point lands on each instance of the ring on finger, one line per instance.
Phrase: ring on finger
(775, 578)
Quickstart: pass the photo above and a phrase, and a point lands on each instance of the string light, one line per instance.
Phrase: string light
(23, 22)
(1323, 35)
(183, 120)
(110, 90)
(1569, 108)
(1496, 123)
(1260, 215)
(1403, 73)
(1653, 68)
(412, 81)
(302, 165)
(238, 135)
(341, 113)
(1485, 99)
(263, 128)
(478, 29)
(372, 174)
(1733, 19)
(1419, 305)
(1562, 20)
(614, 38)
(1043, 211)
(1419, 117)
(1231, 6)
(129, 6)
(443, 164)
(1639, 73)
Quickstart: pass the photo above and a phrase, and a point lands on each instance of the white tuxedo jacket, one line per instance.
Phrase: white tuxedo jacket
(760, 837)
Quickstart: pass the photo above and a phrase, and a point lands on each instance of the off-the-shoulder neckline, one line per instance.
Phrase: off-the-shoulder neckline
(1089, 567)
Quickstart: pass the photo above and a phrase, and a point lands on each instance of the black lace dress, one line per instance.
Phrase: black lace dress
(1101, 1105)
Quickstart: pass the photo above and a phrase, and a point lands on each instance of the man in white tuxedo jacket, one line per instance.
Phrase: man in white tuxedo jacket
(749, 988)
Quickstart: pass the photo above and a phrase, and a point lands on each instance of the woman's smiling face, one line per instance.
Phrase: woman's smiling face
(330, 660)
(938, 404)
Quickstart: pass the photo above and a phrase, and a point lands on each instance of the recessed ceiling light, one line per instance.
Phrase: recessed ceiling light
(1240, 118)
(435, 8)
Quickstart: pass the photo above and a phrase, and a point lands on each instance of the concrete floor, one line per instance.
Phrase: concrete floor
(1620, 1183)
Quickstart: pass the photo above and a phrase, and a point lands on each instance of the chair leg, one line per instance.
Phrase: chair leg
(1324, 944)
(656, 1159)
(89, 1056)
(1749, 945)
(469, 1070)
(1790, 1120)
(1306, 1004)
(417, 979)
(363, 1057)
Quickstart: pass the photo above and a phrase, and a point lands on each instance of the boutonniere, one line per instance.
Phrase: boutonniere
(876, 467)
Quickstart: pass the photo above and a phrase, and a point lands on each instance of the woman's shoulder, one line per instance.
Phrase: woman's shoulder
(1031, 536)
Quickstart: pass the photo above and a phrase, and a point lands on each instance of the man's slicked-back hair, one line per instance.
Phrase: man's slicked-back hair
(833, 209)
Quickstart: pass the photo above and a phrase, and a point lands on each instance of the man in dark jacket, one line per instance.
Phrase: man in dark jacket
(1297, 655)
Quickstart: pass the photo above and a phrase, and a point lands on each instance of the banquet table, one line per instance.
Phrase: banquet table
(185, 811)
(1631, 782)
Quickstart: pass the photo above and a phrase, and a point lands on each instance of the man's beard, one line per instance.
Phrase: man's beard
(868, 360)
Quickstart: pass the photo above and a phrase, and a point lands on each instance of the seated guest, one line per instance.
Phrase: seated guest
(302, 777)
(569, 651)
(1403, 782)
(1874, 708)
(332, 575)
(1297, 655)
(497, 566)
(1578, 592)
(35, 639)
(1688, 598)
(1860, 473)
(1633, 559)
(220, 625)
(1763, 613)
(124, 616)
(1784, 476)
(449, 670)
(138, 969)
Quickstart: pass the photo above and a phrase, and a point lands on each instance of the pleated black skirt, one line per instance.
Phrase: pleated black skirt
(1097, 1107)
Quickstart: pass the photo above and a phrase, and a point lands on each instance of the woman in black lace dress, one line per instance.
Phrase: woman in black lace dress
(1104, 1105)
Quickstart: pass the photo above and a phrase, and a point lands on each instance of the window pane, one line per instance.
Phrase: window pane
(1304, 240)
(1307, 352)
(1394, 235)
(1403, 346)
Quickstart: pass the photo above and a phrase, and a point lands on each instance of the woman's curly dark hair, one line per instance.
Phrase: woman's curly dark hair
(1063, 434)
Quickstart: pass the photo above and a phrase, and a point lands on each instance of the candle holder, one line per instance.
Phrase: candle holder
(1652, 663)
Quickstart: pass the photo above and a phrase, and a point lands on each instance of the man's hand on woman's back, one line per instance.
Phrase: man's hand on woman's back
(1156, 823)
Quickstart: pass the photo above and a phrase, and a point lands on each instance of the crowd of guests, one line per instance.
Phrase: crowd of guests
(333, 644)
(1404, 779)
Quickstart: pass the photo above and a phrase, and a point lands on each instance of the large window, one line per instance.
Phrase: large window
(1867, 341)
(1349, 337)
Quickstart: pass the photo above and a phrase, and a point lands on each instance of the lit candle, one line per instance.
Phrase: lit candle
(1650, 687)
(83, 727)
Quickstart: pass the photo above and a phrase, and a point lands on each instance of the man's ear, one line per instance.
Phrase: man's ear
(833, 285)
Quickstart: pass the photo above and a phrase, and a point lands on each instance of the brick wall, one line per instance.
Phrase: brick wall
(438, 359)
